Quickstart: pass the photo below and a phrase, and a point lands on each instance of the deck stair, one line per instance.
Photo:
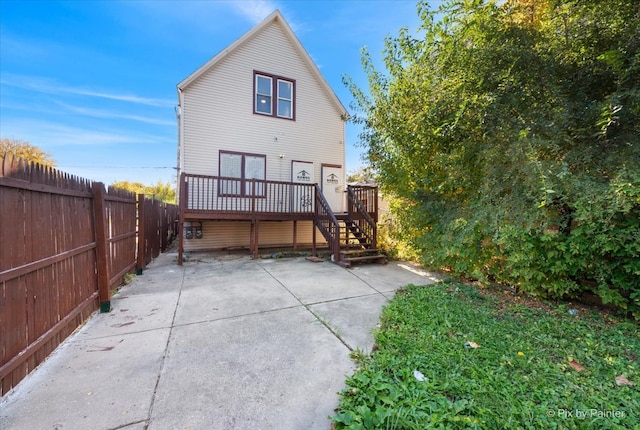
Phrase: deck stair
(358, 230)
(364, 255)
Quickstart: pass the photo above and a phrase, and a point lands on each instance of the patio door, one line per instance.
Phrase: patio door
(333, 186)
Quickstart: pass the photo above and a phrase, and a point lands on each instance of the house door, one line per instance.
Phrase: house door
(333, 186)
(302, 196)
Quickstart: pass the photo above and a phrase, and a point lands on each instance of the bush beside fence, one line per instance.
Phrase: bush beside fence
(65, 243)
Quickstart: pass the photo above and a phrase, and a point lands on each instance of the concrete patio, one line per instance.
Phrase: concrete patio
(223, 342)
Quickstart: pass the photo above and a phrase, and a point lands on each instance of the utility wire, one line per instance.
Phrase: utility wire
(117, 167)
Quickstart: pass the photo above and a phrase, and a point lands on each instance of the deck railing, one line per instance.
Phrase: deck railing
(363, 211)
(216, 197)
(223, 195)
(367, 196)
(327, 223)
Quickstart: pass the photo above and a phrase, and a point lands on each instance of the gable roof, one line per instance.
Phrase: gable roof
(275, 17)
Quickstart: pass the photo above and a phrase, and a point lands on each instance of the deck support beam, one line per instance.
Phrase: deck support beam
(254, 238)
(295, 235)
(314, 250)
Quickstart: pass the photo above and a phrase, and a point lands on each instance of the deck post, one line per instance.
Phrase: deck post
(257, 254)
(254, 239)
(253, 196)
(295, 234)
(314, 251)
(182, 206)
(375, 204)
(251, 236)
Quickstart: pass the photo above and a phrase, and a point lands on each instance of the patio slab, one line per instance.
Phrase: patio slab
(257, 371)
(223, 342)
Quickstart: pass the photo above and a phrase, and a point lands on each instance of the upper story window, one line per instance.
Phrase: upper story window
(274, 95)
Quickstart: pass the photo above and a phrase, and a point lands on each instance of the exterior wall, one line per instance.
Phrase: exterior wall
(217, 112)
(230, 234)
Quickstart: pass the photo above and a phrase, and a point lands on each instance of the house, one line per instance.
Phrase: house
(261, 150)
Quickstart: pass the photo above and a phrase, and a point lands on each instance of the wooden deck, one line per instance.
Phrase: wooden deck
(221, 198)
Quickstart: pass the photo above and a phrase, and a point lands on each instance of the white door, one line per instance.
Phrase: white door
(333, 187)
(302, 196)
(302, 172)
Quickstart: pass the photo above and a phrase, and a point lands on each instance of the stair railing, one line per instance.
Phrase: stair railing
(327, 223)
(359, 211)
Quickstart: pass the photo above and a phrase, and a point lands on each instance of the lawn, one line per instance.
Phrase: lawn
(453, 355)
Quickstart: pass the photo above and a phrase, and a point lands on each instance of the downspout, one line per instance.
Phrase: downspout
(180, 168)
(180, 118)
(344, 159)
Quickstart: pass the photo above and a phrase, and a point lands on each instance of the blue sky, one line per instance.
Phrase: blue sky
(93, 83)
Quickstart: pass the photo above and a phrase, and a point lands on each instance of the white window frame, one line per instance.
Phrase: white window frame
(258, 94)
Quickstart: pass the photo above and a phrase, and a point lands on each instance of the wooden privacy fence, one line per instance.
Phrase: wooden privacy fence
(159, 228)
(65, 243)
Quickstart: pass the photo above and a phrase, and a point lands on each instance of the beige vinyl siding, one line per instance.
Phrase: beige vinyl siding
(230, 234)
(218, 112)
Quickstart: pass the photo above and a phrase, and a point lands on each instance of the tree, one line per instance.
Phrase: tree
(510, 133)
(363, 174)
(26, 151)
(160, 191)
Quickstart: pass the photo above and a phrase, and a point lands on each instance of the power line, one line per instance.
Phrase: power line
(117, 167)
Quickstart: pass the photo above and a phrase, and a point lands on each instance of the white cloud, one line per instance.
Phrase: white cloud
(99, 113)
(46, 135)
(120, 97)
(254, 10)
(49, 86)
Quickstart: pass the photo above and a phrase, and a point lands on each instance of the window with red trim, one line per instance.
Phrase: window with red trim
(273, 96)
(237, 169)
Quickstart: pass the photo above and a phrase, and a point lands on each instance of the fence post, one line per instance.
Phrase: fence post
(141, 234)
(102, 245)
(157, 227)
(164, 226)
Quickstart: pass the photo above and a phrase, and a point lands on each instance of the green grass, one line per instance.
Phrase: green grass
(519, 377)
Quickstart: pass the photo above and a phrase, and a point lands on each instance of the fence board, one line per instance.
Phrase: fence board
(13, 316)
(49, 254)
(157, 228)
(122, 208)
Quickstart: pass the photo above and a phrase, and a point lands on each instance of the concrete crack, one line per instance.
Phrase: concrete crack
(164, 356)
